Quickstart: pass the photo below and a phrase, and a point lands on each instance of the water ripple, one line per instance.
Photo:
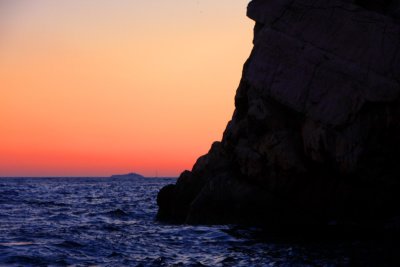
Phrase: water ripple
(101, 222)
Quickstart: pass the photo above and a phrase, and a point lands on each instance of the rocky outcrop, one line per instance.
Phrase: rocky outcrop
(315, 137)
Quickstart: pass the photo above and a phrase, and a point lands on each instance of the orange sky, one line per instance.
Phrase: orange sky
(99, 87)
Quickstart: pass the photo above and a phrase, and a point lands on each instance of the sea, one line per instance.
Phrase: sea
(111, 222)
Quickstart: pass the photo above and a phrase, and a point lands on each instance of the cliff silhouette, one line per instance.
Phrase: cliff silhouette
(315, 136)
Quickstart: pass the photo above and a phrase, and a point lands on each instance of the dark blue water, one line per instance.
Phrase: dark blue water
(104, 222)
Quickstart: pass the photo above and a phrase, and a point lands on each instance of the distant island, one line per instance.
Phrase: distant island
(131, 175)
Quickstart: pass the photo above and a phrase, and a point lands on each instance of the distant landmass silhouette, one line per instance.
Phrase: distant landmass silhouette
(131, 175)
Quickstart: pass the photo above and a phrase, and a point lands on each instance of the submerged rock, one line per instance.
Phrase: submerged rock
(315, 136)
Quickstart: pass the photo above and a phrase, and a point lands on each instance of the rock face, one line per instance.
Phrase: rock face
(315, 137)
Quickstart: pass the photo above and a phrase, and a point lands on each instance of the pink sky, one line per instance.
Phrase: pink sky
(100, 87)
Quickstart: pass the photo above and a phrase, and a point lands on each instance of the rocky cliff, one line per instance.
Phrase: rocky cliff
(315, 136)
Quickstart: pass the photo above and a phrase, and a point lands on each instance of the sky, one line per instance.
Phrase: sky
(100, 87)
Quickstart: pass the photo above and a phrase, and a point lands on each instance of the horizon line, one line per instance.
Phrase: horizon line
(73, 176)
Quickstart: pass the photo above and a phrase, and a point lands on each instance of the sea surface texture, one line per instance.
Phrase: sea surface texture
(110, 222)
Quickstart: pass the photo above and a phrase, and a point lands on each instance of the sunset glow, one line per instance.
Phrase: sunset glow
(100, 87)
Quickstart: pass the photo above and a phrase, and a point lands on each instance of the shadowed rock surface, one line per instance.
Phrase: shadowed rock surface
(315, 136)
